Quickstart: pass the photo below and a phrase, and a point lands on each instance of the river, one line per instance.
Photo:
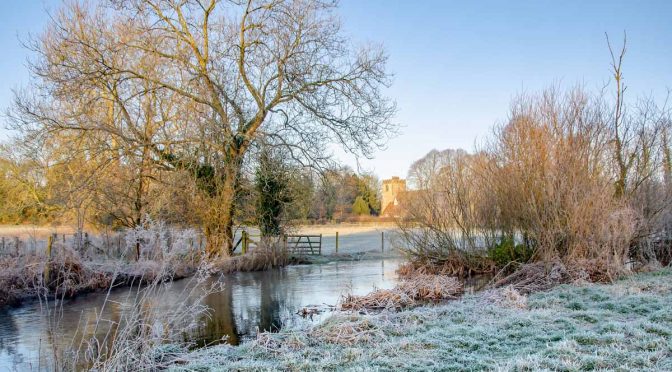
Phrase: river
(248, 302)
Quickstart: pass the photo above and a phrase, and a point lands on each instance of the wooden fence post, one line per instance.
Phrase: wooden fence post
(16, 245)
(382, 241)
(50, 243)
(336, 242)
(245, 241)
(85, 248)
(319, 248)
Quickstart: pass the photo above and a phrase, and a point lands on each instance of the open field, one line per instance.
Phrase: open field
(33, 231)
(621, 326)
(345, 228)
(26, 231)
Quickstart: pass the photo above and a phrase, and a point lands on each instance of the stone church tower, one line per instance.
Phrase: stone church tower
(392, 188)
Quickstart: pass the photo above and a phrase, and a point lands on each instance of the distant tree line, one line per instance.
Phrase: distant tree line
(274, 193)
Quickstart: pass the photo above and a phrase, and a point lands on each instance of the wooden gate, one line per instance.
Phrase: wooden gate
(247, 242)
(303, 245)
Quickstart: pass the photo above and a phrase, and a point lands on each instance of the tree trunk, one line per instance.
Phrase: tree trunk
(219, 220)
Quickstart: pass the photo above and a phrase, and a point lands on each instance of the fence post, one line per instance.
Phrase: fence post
(382, 241)
(137, 249)
(50, 243)
(3, 243)
(319, 248)
(86, 242)
(336, 242)
(16, 245)
(244, 241)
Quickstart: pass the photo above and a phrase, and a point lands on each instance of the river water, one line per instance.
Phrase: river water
(248, 302)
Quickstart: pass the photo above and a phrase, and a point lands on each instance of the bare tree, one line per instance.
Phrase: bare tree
(221, 76)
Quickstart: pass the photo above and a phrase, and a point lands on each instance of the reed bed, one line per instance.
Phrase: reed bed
(264, 257)
(454, 266)
(68, 274)
(542, 276)
(412, 291)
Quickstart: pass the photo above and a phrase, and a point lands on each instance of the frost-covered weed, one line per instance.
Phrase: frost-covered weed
(157, 240)
(602, 327)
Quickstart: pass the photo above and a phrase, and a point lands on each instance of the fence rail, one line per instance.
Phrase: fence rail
(153, 244)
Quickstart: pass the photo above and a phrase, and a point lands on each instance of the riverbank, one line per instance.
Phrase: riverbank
(29, 278)
(626, 325)
(23, 278)
(246, 303)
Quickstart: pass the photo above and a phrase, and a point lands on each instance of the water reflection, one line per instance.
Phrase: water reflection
(248, 303)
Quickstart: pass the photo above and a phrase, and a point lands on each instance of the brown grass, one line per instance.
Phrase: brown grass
(544, 275)
(459, 266)
(348, 331)
(263, 257)
(23, 277)
(410, 292)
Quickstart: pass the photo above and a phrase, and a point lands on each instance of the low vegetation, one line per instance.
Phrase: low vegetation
(411, 291)
(73, 269)
(624, 325)
(165, 254)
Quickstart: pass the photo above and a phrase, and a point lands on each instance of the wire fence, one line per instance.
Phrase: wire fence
(155, 241)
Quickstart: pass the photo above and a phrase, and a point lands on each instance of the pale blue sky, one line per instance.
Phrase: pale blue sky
(458, 63)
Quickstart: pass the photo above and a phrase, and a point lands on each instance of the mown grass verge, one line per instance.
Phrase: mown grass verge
(622, 326)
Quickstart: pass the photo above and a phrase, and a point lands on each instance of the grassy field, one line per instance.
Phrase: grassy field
(34, 231)
(43, 231)
(623, 326)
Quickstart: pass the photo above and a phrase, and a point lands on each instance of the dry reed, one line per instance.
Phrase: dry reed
(410, 292)
(265, 256)
(348, 331)
(544, 275)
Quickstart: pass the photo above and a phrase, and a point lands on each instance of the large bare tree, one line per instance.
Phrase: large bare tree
(222, 76)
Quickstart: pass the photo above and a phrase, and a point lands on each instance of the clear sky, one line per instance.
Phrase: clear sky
(457, 64)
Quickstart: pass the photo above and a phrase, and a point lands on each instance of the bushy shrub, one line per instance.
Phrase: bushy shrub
(506, 251)
(546, 174)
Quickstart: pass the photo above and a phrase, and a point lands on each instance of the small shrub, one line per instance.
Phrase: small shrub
(507, 251)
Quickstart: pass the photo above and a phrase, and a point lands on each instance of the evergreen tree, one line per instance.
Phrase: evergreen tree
(273, 193)
(360, 207)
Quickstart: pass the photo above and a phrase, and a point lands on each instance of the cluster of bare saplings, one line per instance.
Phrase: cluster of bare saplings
(574, 184)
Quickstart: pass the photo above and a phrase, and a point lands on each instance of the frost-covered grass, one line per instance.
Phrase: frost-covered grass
(622, 326)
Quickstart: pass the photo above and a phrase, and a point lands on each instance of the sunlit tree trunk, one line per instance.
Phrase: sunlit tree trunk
(219, 221)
